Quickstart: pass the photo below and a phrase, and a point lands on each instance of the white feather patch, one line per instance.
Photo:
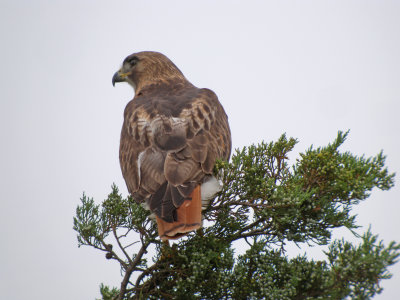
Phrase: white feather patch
(146, 206)
(208, 190)
(178, 120)
(139, 162)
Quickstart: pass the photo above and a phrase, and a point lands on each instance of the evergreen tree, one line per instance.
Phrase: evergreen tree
(265, 204)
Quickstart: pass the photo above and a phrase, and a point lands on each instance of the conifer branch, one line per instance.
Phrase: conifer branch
(265, 203)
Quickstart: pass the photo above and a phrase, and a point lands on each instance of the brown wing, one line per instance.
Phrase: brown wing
(169, 144)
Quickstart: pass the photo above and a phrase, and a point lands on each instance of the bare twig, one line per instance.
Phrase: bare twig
(120, 246)
(145, 273)
(131, 244)
(131, 268)
(106, 249)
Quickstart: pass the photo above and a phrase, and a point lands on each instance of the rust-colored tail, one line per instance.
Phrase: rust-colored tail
(188, 215)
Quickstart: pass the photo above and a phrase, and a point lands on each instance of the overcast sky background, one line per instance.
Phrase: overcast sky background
(307, 68)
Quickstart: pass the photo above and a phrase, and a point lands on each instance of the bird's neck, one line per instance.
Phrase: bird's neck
(168, 85)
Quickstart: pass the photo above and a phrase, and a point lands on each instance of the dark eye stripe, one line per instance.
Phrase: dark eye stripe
(131, 60)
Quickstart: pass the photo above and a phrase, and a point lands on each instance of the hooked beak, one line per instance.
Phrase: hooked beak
(119, 77)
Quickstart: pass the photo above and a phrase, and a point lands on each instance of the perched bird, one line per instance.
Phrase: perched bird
(172, 134)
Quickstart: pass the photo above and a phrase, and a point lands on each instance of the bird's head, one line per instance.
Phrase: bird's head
(145, 68)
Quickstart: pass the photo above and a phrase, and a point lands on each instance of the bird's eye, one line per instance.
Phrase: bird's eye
(132, 60)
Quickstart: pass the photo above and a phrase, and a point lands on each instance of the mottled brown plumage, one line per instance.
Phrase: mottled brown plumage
(172, 134)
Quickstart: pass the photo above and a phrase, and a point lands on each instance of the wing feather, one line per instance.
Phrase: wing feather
(166, 153)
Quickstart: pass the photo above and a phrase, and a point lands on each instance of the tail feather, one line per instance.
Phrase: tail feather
(188, 218)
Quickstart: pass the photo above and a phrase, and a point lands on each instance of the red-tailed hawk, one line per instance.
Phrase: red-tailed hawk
(172, 134)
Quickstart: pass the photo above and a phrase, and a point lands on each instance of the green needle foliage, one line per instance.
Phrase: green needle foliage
(264, 203)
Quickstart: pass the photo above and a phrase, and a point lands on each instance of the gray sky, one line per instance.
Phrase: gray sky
(306, 68)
